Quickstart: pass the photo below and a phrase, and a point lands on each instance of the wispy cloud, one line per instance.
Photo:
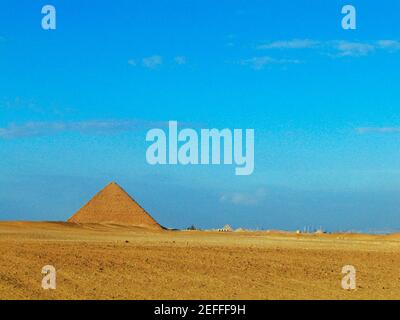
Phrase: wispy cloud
(152, 62)
(389, 44)
(21, 104)
(155, 61)
(132, 62)
(362, 48)
(180, 60)
(365, 130)
(335, 48)
(259, 63)
(35, 128)
(245, 198)
(230, 40)
(290, 44)
(353, 49)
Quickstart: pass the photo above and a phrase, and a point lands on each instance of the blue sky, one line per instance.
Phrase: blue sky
(76, 102)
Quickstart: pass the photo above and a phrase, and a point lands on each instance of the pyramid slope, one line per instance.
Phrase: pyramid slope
(113, 205)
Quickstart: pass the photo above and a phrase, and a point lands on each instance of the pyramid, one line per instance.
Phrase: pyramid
(113, 205)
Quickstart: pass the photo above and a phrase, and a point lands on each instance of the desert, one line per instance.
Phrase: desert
(112, 248)
(122, 262)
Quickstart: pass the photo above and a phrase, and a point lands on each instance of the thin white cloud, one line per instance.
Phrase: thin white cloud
(365, 130)
(21, 104)
(230, 40)
(155, 61)
(152, 62)
(245, 198)
(335, 48)
(132, 62)
(37, 128)
(259, 63)
(389, 44)
(180, 60)
(353, 49)
(290, 44)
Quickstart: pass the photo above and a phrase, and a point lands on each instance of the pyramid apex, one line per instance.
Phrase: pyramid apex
(113, 183)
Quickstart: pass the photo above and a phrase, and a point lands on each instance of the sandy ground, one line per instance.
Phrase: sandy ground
(110, 262)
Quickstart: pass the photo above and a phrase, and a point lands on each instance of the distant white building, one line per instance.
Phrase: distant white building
(226, 228)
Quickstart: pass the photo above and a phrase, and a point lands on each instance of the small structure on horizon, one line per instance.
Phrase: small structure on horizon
(226, 228)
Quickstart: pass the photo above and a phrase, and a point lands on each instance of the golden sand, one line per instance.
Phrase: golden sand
(121, 262)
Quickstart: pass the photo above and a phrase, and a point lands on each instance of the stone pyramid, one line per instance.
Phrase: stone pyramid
(113, 205)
